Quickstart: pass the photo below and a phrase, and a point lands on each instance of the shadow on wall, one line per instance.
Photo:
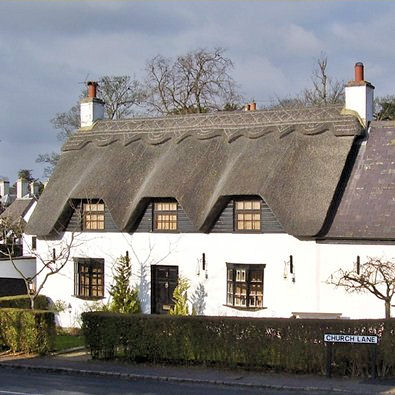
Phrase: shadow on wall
(198, 300)
(144, 288)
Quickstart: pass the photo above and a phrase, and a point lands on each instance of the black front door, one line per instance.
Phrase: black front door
(163, 282)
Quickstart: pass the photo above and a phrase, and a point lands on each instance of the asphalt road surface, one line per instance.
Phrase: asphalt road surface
(21, 382)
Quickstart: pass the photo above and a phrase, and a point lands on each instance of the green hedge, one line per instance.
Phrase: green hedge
(28, 331)
(289, 345)
(23, 302)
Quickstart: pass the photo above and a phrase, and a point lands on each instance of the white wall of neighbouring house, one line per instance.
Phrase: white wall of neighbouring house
(27, 239)
(306, 291)
(334, 256)
(26, 265)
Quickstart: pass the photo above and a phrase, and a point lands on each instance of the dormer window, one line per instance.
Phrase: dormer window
(93, 216)
(165, 216)
(247, 215)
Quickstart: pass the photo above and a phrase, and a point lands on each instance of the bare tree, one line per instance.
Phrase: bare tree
(324, 90)
(121, 95)
(11, 236)
(197, 82)
(376, 276)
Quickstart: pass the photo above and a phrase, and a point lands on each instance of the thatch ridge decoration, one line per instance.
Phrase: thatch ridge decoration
(293, 159)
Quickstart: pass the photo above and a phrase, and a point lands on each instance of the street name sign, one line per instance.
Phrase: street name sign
(339, 338)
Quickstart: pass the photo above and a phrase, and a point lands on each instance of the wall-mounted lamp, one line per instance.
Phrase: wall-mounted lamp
(32, 288)
(202, 263)
(289, 266)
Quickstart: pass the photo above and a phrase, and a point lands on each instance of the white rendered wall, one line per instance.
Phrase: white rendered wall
(333, 256)
(313, 265)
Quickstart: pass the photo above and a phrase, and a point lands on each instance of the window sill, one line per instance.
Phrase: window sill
(93, 230)
(245, 308)
(89, 297)
(165, 231)
(247, 231)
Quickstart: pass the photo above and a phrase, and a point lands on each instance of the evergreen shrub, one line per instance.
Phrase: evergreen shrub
(30, 331)
(23, 302)
(288, 345)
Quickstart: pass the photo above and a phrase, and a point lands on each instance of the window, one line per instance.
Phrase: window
(247, 215)
(34, 243)
(93, 216)
(89, 278)
(165, 216)
(244, 285)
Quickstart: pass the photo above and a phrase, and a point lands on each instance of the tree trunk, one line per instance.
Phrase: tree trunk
(387, 309)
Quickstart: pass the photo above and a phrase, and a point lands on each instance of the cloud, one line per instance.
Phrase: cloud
(299, 40)
(48, 47)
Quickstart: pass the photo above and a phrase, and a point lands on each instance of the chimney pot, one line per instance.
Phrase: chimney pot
(359, 72)
(359, 95)
(92, 89)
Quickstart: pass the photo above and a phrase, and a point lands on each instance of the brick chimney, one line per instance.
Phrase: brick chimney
(250, 106)
(4, 187)
(92, 108)
(22, 188)
(360, 95)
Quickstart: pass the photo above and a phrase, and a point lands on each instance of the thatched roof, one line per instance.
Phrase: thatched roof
(18, 209)
(367, 207)
(293, 159)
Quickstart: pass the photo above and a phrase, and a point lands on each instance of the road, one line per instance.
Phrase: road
(21, 382)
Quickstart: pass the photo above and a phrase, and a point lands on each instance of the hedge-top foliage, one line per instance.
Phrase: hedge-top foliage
(23, 302)
(30, 331)
(290, 345)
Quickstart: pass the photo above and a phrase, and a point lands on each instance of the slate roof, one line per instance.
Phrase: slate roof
(367, 207)
(18, 209)
(293, 159)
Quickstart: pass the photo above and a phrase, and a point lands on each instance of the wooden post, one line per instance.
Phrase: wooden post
(373, 361)
(329, 360)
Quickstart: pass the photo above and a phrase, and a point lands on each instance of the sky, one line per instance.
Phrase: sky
(48, 48)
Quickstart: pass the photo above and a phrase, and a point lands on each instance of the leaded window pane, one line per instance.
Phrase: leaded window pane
(93, 216)
(248, 215)
(89, 278)
(244, 287)
(165, 216)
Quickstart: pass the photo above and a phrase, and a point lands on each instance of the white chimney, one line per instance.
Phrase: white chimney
(4, 188)
(92, 108)
(34, 188)
(22, 188)
(360, 95)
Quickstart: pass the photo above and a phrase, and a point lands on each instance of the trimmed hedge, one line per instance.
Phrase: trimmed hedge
(23, 302)
(30, 331)
(290, 345)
